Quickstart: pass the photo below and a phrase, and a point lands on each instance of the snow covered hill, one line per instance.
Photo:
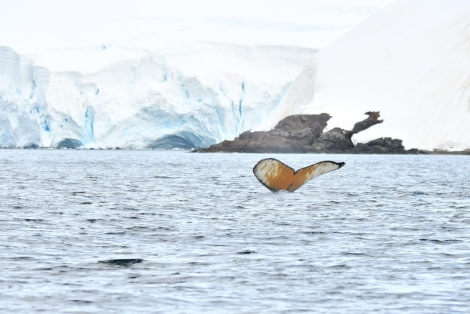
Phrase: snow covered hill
(190, 96)
(174, 74)
(410, 61)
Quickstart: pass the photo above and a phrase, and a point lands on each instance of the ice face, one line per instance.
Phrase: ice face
(23, 114)
(413, 68)
(186, 99)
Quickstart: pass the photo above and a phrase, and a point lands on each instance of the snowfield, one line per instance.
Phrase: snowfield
(410, 61)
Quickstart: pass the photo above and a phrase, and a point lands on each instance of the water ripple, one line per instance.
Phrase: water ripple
(129, 231)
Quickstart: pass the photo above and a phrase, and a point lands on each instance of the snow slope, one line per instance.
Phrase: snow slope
(32, 27)
(410, 61)
(186, 96)
(153, 74)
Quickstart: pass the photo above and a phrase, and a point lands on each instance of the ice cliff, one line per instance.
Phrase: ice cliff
(191, 96)
(410, 61)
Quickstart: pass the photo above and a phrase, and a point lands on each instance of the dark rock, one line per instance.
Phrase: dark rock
(296, 133)
(304, 134)
(384, 145)
(303, 128)
(335, 140)
(367, 123)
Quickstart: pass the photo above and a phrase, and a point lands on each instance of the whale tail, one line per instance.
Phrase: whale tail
(275, 175)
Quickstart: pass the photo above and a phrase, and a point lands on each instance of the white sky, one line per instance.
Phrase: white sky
(36, 26)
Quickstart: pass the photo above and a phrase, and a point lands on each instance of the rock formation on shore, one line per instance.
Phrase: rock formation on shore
(304, 134)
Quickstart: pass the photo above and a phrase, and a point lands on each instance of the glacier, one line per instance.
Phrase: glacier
(410, 61)
(192, 96)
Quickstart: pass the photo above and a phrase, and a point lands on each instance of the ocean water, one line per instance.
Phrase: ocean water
(178, 232)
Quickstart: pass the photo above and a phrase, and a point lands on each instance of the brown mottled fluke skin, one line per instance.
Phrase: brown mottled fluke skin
(275, 175)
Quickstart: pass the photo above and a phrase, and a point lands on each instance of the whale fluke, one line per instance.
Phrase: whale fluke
(275, 175)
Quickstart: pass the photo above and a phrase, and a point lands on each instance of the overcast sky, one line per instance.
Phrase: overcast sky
(30, 26)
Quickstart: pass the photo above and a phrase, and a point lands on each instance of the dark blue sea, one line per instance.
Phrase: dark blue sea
(96, 231)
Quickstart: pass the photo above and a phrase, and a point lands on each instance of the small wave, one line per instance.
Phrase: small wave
(246, 252)
(441, 241)
(122, 261)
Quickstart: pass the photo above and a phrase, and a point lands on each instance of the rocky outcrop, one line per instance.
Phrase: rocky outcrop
(383, 145)
(304, 134)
